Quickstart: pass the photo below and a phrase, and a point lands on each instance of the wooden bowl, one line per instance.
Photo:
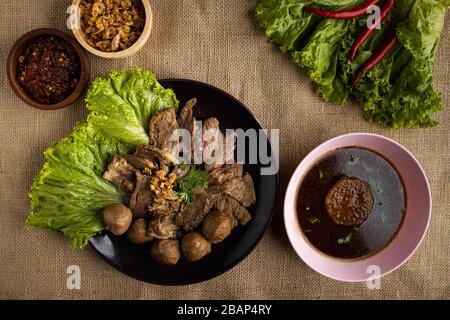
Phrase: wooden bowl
(81, 37)
(20, 46)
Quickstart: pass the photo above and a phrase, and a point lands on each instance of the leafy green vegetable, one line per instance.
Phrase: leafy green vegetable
(398, 92)
(354, 159)
(122, 102)
(321, 174)
(195, 179)
(346, 239)
(313, 220)
(68, 194)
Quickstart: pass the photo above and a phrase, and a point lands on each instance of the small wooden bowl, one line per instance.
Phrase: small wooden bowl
(81, 37)
(18, 49)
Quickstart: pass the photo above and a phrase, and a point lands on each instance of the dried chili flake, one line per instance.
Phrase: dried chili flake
(49, 69)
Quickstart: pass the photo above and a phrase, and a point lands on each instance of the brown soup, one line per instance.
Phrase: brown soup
(387, 205)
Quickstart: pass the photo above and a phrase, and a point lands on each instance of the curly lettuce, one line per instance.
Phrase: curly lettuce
(122, 102)
(396, 93)
(69, 193)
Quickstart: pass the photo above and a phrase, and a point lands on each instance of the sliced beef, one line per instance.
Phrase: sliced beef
(227, 155)
(232, 207)
(162, 228)
(154, 154)
(210, 136)
(225, 172)
(142, 196)
(162, 126)
(164, 207)
(186, 118)
(241, 189)
(191, 216)
(120, 173)
(140, 163)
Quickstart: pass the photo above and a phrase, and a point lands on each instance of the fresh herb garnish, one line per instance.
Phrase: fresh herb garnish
(195, 179)
(354, 159)
(308, 230)
(321, 174)
(346, 239)
(313, 220)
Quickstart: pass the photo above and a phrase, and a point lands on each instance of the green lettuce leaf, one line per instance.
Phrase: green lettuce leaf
(321, 57)
(122, 102)
(69, 193)
(398, 92)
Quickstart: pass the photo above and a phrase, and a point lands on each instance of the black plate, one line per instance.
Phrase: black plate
(135, 260)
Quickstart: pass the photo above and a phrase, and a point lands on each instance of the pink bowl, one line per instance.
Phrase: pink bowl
(411, 232)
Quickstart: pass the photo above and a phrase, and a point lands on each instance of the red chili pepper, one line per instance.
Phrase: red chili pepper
(368, 32)
(377, 57)
(344, 14)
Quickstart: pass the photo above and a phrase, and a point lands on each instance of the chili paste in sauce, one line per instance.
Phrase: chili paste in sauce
(49, 69)
(351, 179)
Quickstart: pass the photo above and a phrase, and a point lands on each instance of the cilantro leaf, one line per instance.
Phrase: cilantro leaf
(195, 179)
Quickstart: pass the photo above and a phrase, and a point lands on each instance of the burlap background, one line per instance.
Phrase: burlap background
(217, 42)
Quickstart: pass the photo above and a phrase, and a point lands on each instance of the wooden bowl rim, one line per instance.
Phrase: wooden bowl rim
(17, 49)
(140, 42)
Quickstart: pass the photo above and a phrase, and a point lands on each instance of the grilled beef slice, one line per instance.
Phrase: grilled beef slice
(191, 216)
(226, 172)
(227, 154)
(162, 228)
(161, 128)
(163, 207)
(120, 174)
(233, 208)
(140, 163)
(186, 118)
(210, 136)
(155, 155)
(142, 196)
(241, 189)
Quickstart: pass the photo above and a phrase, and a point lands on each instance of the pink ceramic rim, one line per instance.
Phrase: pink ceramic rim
(410, 235)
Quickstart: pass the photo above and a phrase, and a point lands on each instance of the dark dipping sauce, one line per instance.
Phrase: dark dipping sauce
(49, 69)
(386, 215)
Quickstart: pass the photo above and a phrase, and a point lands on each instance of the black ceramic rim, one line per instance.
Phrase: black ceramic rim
(218, 271)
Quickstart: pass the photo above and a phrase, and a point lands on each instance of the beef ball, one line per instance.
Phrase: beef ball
(194, 246)
(117, 218)
(349, 201)
(217, 226)
(166, 251)
(138, 232)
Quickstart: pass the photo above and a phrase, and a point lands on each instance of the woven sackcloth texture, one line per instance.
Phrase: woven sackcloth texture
(218, 42)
